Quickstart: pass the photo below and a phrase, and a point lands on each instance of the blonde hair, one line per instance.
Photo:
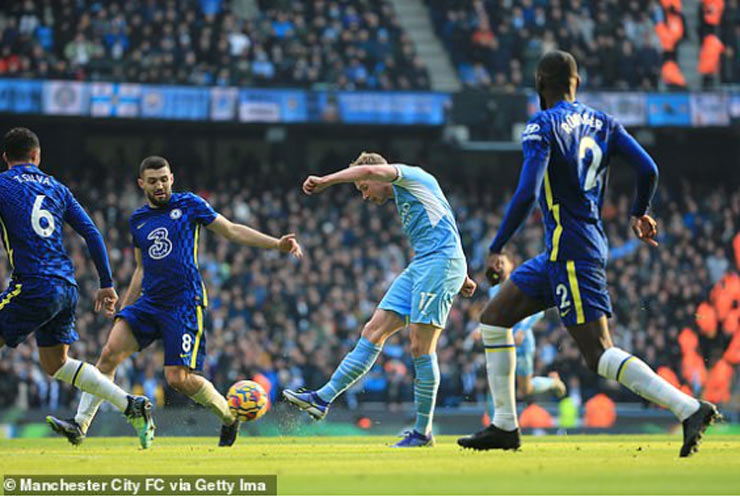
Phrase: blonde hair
(368, 159)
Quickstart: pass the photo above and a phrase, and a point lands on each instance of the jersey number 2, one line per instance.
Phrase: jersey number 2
(37, 214)
(592, 177)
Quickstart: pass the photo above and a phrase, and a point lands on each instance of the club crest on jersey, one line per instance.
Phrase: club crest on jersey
(175, 213)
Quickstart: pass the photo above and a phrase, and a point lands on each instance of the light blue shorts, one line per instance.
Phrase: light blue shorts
(525, 355)
(423, 293)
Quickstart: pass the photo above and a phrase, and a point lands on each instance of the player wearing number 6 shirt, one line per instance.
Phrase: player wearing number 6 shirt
(567, 148)
(420, 296)
(42, 294)
(166, 298)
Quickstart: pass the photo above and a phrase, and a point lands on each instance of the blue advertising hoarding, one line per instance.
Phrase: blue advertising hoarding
(175, 102)
(668, 109)
(20, 96)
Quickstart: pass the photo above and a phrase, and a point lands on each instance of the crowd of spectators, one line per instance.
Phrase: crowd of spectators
(345, 45)
(496, 43)
(293, 322)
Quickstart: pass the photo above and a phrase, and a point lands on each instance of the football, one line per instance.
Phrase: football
(247, 400)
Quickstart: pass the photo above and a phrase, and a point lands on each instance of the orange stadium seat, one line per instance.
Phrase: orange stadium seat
(600, 412)
(535, 416)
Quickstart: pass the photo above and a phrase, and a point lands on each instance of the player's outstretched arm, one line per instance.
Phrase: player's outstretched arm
(317, 184)
(134, 286)
(644, 226)
(524, 199)
(106, 297)
(244, 235)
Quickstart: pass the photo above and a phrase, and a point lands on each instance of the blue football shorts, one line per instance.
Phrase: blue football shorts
(576, 288)
(44, 306)
(179, 327)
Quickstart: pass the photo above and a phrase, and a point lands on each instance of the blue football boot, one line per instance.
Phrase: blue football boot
(415, 439)
(309, 401)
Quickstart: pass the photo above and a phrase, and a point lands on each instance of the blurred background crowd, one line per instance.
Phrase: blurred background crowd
(292, 322)
(622, 44)
(291, 43)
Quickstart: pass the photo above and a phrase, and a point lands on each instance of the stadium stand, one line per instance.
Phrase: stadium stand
(291, 322)
(288, 43)
(621, 44)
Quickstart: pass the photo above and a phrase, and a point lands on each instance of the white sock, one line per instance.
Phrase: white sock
(89, 379)
(500, 365)
(542, 384)
(87, 409)
(209, 397)
(616, 364)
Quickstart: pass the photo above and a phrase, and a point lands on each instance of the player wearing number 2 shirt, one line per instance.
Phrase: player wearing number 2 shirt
(166, 298)
(567, 149)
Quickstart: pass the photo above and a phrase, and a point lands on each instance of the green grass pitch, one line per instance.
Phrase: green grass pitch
(645, 464)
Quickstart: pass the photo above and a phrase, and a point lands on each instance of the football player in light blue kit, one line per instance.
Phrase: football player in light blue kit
(421, 296)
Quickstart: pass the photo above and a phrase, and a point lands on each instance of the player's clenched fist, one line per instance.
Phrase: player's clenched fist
(645, 228)
(468, 288)
(314, 184)
(289, 244)
(106, 299)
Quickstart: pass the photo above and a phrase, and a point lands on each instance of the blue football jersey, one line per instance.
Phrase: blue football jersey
(33, 209)
(168, 240)
(426, 215)
(576, 142)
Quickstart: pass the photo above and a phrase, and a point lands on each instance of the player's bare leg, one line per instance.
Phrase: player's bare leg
(354, 366)
(203, 392)
(615, 364)
(120, 345)
(508, 307)
(424, 338)
(527, 385)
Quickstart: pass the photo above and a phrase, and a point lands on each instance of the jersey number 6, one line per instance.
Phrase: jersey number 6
(37, 214)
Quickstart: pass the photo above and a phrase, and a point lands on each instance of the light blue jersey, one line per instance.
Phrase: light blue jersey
(424, 292)
(426, 215)
(524, 351)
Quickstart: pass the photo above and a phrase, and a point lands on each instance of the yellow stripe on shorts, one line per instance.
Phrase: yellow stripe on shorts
(11, 295)
(194, 355)
(574, 290)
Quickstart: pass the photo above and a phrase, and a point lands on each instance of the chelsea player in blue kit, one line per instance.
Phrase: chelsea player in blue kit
(166, 298)
(42, 294)
(567, 148)
(421, 296)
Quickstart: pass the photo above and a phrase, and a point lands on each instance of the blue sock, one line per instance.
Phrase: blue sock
(352, 368)
(426, 385)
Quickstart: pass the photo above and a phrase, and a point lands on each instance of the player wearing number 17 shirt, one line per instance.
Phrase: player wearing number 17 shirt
(42, 295)
(567, 149)
(166, 298)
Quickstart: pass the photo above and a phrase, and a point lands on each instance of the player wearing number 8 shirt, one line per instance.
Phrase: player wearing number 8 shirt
(42, 295)
(567, 148)
(166, 298)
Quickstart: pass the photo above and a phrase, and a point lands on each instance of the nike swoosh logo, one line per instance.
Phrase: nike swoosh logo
(184, 356)
(563, 314)
(139, 226)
